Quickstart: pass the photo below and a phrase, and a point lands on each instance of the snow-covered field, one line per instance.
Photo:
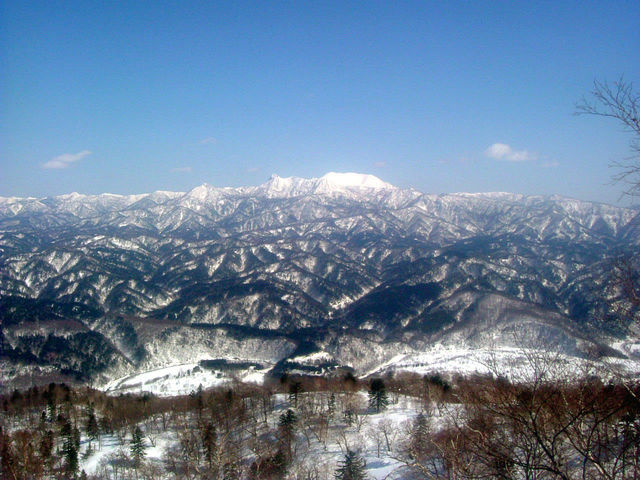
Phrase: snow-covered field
(370, 434)
(111, 448)
(180, 380)
(511, 362)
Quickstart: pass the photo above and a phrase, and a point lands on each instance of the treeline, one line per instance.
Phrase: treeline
(461, 428)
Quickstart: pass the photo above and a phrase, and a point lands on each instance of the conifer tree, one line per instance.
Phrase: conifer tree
(419, 441)
(295, 389)
(287, 425)
(51, 407)
(92, 426)
(65, 429)
(331, 405)
(105, 425)
(69, 448)
(137, 446)
(209, 436)
(75, 436)
(352, 467)
(378, 399)
(287, 420)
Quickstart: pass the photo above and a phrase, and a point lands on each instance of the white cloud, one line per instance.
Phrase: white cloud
(253, 169)
(502, 151)
(65, 160)
(208, 141)
(182, 169)
(380, 164)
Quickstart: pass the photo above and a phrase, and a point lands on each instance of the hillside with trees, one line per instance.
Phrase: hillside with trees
(406, 426)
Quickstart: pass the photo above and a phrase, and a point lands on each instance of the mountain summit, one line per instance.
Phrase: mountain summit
(331, 183)
(353, 180)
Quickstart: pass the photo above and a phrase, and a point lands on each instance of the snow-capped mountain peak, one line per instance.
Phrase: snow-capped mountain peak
(330, 183)
(201, 192)
(351, 180)
(71, 196)
(278, 186)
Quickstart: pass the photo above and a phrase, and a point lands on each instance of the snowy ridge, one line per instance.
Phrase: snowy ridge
(308, 275)
(331, 183)
(364, 187)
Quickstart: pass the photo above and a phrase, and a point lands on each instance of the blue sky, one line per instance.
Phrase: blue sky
(129, 97)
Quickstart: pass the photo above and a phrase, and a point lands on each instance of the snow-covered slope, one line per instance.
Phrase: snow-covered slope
(345, 266)
(330, 184)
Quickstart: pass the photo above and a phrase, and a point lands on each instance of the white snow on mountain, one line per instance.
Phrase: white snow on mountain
(358, 186)
(353, 180)
(328, 184)
(160, 275)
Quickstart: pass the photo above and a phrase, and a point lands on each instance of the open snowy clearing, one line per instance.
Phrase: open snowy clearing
(180, 380)
(511, 362)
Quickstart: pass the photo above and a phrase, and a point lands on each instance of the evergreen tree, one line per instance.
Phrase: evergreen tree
(209, 437)
(279, 463)
(92, 426)
(287, 425)
(75, 436)
(65, 429)
(378, 399)
(137, 446)
(288, 420)
(295, 389)
(271, 467)
(331, 405)
(16, 398)
(419, 441)
(351, 468)
(349, 416)
(51, 407)
(105, 425)
(43, 421)
(69, 448)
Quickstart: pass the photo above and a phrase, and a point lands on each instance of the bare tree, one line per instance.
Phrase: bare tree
(620, 102)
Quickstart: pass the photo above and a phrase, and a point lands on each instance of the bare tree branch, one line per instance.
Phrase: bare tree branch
(620, 102)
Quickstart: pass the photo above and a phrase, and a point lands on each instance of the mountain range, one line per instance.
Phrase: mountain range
(311, 275)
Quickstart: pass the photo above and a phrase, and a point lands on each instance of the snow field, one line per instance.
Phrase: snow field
(369, 434)
(179, 380)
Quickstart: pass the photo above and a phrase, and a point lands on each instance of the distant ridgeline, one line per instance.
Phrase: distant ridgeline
(312, 274)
